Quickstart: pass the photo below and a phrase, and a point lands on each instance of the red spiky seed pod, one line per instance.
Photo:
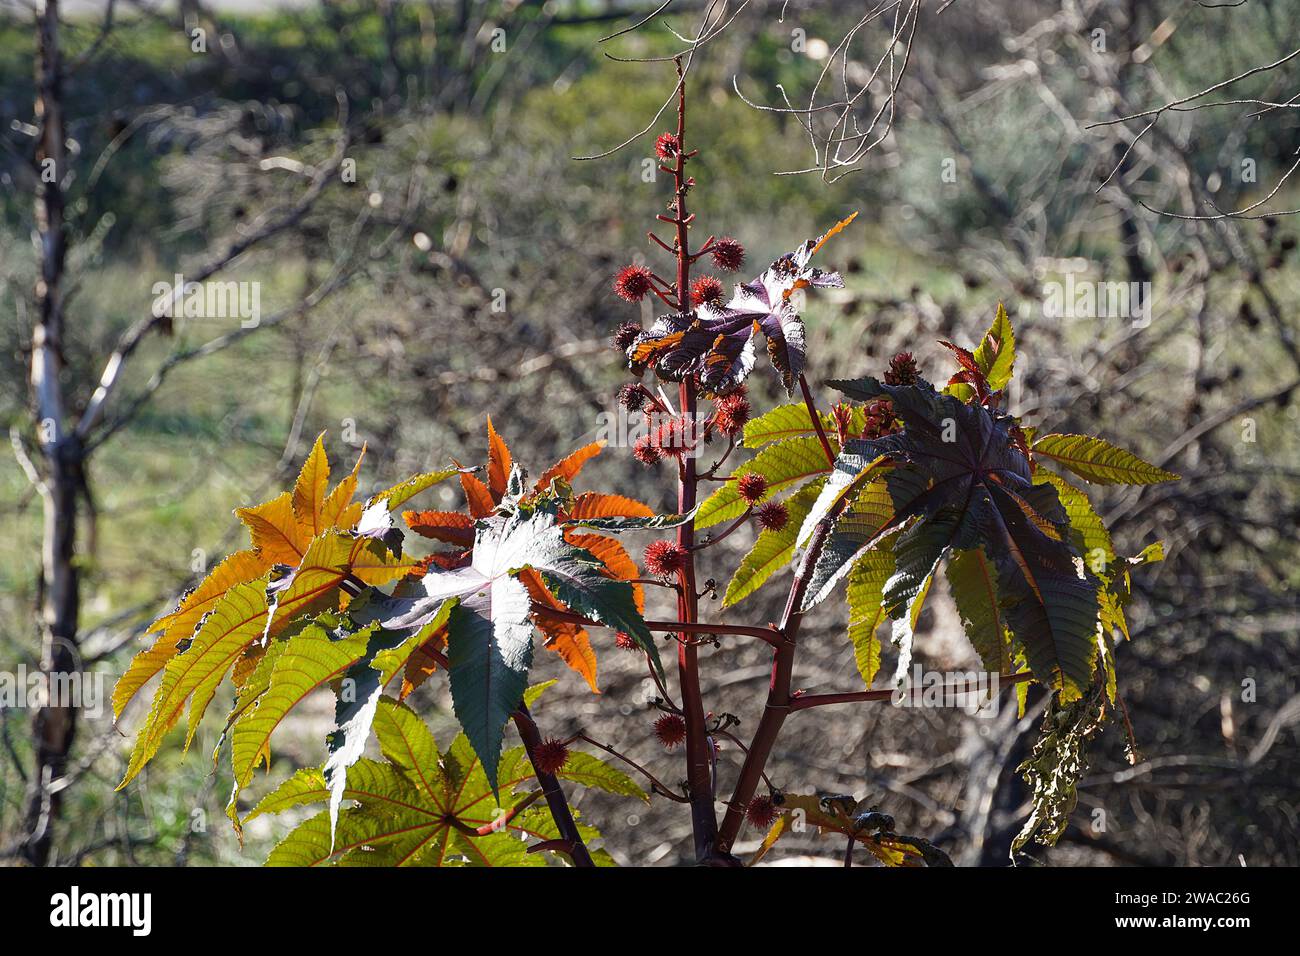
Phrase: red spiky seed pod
(728, 254)
(666, 146)
(626, 335)
(664, 558)
(632, 283)
(730, 414)
(626, 642)
(673, 438)
(902, 370)
(646, 452)
(752, 487)
(706, 290)
(773, 515)
(671, 730)
(762, 811)
(880, 419)
(631, 396)
(551, 755)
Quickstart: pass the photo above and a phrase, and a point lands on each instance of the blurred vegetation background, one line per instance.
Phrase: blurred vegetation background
(467, 272)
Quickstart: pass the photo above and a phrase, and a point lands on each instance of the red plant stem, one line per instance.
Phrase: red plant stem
(805, 701)
(555, 799)
(708, 542)
(699, 775)
(816, 419)
(778, 691)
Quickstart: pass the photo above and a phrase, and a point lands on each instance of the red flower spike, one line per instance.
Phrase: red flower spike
(664, 558)
(773, 515)
(728, 254)
(752, 487)
(671, 730)
(902, 370)
(633, 283)
(551, 755)
(706, 290)
(762, 812)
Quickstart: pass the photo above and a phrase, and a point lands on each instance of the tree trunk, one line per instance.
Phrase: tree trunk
(54, 721)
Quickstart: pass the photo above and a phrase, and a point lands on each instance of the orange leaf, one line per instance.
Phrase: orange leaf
(567, 639)
(309, 489)
(339, 510)
(477, 495)
(450, 526)
(592, 505)
(615, 558)
(421, 664)
(568, 467)
(274, 530)
(498, 463)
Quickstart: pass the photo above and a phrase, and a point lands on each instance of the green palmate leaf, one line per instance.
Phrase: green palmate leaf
(864, 590)
(220, 638)
(1087, 531)
(856, 465)
(917, 554)
(422, 808)
(973, 581)
(312, 658)
(594, 773)
(857, 531)
(784, 464)
(773, 549)
(1097, 460)
(489, 653)
(784, 421)
(358, 697)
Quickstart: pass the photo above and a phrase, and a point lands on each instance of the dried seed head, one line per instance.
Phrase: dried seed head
(728, 254)
(671, 730)
(551, 755)
(706, 290)
(626, 335)
(731, 412)
(761, 812)
(752, 487)
(632, 283)
(664, 558)
(773, 515)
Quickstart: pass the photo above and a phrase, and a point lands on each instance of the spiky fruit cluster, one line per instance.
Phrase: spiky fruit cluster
(762, 811)
(671, 730)
(706, 290)
(880, 419)
(773, 515)
(902, 370)
(626, 335)
(625, 641)
(645, 451)
(728, 254)
(664, 558)
(842, 414)
(551, 755)
(752, 487)
(667, 146)
(730, 413)
(631, 396)
(633, 283)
